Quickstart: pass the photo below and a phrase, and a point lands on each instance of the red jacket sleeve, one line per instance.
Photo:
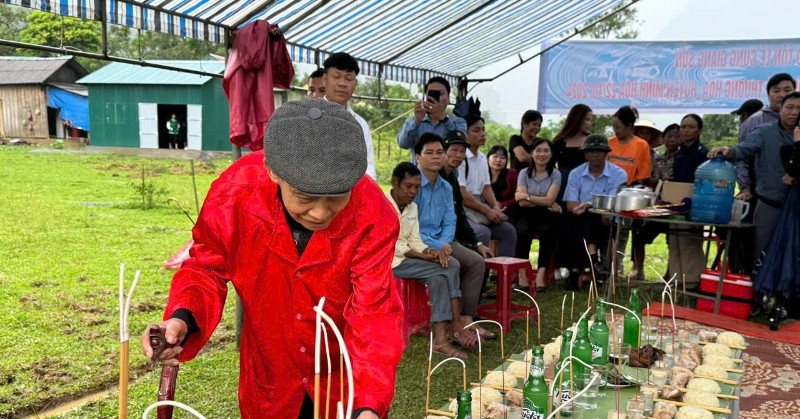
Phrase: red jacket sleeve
(374, 315)
(200, 285)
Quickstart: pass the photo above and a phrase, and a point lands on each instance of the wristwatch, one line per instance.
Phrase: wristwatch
(479, 244)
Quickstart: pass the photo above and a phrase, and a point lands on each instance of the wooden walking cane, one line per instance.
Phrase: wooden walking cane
(124, 353)
(169, 374)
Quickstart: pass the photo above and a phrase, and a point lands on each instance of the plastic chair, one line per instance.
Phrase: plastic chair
(416, 302)
(503, 310)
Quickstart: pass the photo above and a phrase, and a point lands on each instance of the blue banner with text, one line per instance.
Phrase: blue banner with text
(668, 77)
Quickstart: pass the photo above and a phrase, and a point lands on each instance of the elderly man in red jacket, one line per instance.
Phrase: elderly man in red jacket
(288, 226)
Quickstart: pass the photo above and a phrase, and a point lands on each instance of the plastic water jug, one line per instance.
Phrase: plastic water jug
(712, 200)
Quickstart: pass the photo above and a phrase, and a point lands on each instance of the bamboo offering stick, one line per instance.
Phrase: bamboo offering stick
(499, 388)
(538, 320)
(563, 301)
(589, 298)
(629, 287)
(330, 370)
(124, 337)
(730, 346)
(719, 396)
(430, 358)
(721, 380)
(572, 309)
(317, 348)
(440, 413)
(685, 301)
(591, 265)
(348, 413)
(709, 408)
(464, 377)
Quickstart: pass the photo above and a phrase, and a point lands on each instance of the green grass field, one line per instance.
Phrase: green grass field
(70, 219)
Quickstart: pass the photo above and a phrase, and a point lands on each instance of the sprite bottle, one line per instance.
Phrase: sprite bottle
(598, 335)
(464, 405)
(631, 327)
(535, 392)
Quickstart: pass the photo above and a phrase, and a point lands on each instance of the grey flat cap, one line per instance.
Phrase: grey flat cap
(316, 146)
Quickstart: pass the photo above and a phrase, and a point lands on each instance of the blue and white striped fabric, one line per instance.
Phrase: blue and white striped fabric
(409, 40)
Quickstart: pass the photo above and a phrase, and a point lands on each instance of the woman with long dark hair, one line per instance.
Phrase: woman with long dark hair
(567, 143)
(567, 155)
(504, 181)
(537, 189)
(521, 145)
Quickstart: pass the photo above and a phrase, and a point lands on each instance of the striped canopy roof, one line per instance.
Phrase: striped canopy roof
(410, 40)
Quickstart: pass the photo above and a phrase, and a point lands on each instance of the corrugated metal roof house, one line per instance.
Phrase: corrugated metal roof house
(38, 96)
(130, 105)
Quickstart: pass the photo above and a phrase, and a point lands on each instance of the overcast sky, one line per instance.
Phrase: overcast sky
(507, 98)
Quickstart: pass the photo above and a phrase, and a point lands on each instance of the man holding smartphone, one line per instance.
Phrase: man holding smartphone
(430, 115)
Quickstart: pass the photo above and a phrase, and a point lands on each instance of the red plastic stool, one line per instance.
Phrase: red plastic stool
(416, 302)
(503, 310)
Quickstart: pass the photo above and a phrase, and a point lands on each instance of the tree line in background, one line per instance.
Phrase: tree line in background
(41, 28)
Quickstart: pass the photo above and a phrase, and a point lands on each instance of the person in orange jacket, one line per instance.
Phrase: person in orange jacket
(287, 226)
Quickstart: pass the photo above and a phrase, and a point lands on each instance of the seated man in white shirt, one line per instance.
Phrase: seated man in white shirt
(413, 259)
(485, 214)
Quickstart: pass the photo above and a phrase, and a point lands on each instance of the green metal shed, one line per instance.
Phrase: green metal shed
(129, 105)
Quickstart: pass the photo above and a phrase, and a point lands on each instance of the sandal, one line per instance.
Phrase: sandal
(485, 334)
(449, 351)
(465, 338)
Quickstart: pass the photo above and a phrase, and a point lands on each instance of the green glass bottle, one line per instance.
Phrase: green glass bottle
(564, 392)
(566, 341)
(582, 348)
(631, 328)
(598, 335)
(535, 392)
(464, 405)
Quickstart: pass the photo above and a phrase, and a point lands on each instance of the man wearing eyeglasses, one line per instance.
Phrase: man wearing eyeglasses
(430, 115)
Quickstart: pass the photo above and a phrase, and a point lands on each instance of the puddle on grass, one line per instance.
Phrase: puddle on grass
(74, 404)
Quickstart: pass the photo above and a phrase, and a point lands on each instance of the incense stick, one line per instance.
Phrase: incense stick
(463, 373)
(124, 337)
(629, 287)
(317, 348)
(563, 301)
(591, 265)
(572, 309)
(346, 357)
(685, 302)
(538, 317)
(330, 370)
(428, 390)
